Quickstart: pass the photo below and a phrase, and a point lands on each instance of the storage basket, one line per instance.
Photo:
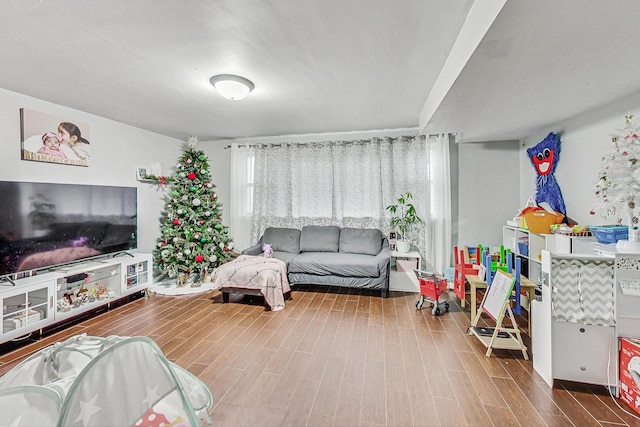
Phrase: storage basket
(523, 248)
(610, 233)
(540, 221)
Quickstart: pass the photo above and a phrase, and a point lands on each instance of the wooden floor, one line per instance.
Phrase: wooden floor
(345, 359)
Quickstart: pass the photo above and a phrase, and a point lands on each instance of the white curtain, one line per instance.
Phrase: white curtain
(242, 157)
(345, 183)
(438, 251)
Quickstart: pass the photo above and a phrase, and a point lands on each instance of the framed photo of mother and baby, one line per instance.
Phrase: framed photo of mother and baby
(53, 139)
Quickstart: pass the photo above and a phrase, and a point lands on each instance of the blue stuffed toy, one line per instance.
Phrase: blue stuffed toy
(544, 157)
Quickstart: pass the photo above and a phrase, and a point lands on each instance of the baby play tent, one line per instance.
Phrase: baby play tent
(94, 381)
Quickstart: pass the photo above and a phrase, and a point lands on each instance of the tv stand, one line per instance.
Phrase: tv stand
(56, 297)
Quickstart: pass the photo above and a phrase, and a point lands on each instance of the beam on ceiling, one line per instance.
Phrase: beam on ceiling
(480, 18)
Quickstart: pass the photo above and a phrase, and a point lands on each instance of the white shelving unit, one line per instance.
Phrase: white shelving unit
(405, 281)
(137, 274)
(528, 246)
(34, 303)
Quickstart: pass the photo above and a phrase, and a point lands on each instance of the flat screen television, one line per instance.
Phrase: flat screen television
(43, 225)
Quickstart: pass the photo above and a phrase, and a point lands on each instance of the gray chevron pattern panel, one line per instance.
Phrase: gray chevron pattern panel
(583, 291)
(598, 288)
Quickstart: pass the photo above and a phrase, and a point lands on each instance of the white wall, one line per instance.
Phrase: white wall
(584, 139)
(220, 169)
(116, 150)
(488, 180)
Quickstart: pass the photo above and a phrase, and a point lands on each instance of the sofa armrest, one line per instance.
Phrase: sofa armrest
(253, 250)
(383, 259)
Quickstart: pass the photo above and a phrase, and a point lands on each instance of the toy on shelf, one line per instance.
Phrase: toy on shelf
(566, 230)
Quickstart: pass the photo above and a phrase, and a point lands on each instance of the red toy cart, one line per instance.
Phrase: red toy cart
(432, 287)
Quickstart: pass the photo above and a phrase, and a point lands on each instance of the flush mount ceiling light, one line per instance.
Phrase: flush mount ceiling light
(231, 86)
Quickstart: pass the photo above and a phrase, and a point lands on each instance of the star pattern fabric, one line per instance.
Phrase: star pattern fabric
(88, 410)
(97, 395)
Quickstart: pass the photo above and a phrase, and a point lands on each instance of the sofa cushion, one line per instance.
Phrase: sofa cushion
(319, 238)
(285, 257)
(282, 239)
(335, 264)
(360, 241)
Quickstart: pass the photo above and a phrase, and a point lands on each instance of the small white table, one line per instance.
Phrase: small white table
(404, 281)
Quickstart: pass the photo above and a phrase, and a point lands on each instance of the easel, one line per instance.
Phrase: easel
(496, 303)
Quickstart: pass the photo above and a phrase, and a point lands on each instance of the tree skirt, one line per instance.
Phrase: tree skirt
(169, 287)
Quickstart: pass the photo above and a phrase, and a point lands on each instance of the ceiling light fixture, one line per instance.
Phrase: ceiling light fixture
(231, 86)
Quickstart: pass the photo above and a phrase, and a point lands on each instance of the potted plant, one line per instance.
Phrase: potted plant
(403, 223)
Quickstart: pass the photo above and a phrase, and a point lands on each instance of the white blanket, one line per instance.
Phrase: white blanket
(268, 275)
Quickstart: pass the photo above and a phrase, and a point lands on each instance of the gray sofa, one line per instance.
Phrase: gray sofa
(330, 255)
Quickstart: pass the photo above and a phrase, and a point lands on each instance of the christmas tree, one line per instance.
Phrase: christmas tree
(192, 238)
(619, 178)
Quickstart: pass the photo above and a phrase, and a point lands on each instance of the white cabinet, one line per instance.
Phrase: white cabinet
(137, 274)
(27, 307)
(32, 303)
(582, 352)
(528, 246)
(402, 277)
(582, 312)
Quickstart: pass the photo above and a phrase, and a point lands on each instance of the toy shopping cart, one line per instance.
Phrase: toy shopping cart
(432, 287)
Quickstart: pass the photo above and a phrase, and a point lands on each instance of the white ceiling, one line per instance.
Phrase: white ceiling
(322, 65)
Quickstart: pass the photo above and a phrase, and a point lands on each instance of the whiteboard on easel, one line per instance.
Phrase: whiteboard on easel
(499, 292)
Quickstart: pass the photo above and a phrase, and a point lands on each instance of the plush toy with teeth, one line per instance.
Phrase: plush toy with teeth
(544, 157)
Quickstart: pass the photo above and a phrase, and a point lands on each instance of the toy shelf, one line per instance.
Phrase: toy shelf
(528, 246)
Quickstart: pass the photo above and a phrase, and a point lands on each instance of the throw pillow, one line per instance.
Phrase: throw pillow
(361, 241)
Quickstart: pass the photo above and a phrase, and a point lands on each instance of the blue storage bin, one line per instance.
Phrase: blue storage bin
(610, 233)
(523, 248)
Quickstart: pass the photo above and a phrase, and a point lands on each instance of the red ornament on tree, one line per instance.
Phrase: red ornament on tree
(226, 249)
(191, 176)
(199, 258)
(176, 221)
(201, 221)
